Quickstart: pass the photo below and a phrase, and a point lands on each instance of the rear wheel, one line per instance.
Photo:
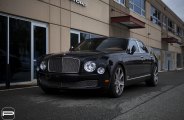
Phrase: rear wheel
(117, 82)
(153, 81)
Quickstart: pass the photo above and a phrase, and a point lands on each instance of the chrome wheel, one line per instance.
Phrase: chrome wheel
(156, 76)
(119, 80)
(153, 81)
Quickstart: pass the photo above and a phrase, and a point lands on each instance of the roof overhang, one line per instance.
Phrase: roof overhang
(171, 40)
(129, 21)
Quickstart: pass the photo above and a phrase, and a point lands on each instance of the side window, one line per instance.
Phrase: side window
(133, 43)
(143, 48)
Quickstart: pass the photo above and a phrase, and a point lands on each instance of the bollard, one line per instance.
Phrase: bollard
(168, 65)
(7, 76)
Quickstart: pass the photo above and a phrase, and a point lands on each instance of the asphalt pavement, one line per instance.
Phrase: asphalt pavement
(138, 102)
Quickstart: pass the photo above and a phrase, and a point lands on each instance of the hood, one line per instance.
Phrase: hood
(86, 54)
(79, 54)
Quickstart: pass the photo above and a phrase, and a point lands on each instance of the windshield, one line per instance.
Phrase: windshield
(103, 44)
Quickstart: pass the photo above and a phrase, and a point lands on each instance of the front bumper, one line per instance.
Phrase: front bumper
(72, 81)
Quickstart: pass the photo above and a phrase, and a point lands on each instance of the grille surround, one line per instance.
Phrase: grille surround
(64, 65)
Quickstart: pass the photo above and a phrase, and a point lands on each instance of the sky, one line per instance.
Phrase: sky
(177, 6)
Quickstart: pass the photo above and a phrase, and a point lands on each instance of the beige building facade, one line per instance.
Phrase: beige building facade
(30, 28)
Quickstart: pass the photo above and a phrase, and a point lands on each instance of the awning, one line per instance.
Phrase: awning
(171, 40)
(129, 21)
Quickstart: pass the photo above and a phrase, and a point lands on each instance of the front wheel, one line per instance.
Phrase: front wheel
(153, 81)
(117, 82)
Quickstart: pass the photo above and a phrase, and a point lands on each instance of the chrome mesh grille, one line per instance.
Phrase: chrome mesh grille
(55, 65)
(64, 65)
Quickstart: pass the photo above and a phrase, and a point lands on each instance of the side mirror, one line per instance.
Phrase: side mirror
(71, 48)
(133, 50)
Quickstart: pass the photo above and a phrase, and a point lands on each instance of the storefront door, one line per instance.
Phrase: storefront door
(39, 45)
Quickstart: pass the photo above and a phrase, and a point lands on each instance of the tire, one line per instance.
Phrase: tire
(49, 90)
(153, 81)
(117, 82)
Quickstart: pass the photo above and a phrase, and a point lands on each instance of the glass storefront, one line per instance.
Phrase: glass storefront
(22, 42)
(3, 48)
(19, 50)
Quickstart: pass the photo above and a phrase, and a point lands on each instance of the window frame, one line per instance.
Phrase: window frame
(119, 2)
(157, 18)
(178, 31)
(164, 21)
(143, 10)
(170, 28)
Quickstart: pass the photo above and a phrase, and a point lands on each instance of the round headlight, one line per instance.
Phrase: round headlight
(101, 70)
(43, 65)
(90, 66)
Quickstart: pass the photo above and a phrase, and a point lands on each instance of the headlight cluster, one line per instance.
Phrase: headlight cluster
(43, 65)
(90, 66)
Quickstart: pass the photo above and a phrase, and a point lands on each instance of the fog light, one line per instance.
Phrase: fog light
(101, 70)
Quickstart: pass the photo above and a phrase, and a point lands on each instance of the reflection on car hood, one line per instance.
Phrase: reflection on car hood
(78, 54)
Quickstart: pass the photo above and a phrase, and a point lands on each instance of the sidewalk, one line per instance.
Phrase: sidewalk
(19, 85)
(177, 69)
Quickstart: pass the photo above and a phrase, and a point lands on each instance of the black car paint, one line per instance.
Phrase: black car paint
(132, 64)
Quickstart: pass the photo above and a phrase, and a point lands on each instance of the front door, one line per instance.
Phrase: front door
(39, 44)
(133, 62)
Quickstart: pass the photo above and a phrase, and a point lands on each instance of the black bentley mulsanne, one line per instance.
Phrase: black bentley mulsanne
(109, 63)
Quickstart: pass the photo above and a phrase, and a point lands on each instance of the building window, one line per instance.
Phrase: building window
(171, 26)
(137, 6)
(179, 31)
(165, 20)
(79, 36)
(122, 2)
(155, 16)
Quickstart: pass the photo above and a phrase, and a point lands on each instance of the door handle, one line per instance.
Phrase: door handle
(34, 60)
(142, 57)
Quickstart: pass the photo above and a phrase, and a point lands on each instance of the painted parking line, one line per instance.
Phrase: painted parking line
(18, 88)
